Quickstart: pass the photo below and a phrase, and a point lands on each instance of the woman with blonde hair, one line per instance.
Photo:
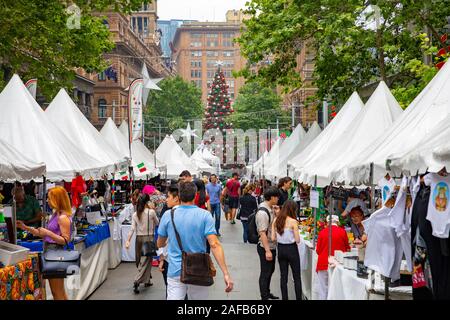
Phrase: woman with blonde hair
(58, 232)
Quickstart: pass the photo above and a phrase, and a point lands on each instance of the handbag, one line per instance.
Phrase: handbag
(59, 263)
(196, 268)
(149, 247)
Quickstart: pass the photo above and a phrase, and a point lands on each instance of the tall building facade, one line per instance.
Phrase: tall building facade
(168, 29)
(199, 45)
(305, 112)
(137, 41)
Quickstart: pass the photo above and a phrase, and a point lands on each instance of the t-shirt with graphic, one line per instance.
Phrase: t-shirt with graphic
(438, 206)
(387, 186)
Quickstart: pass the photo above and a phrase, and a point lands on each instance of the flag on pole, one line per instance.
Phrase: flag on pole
(141, 167)
(32, 87)
(135, 109)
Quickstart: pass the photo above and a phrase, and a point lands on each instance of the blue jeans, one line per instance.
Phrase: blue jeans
(215, 211)
(245, 227)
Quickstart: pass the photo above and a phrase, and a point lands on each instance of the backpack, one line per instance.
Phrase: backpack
(253, 235)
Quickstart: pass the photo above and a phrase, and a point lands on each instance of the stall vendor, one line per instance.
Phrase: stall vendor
(354, 201)
(357, 216)
(28, 209)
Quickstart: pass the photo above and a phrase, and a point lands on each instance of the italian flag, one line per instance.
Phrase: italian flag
(123, 175)
(141, 167)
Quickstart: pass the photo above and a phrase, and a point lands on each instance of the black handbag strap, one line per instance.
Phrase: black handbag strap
(176, 231)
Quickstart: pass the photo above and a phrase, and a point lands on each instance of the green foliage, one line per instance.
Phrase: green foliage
(177, 102)
(251, 107)
(35, 41)
(350, 51)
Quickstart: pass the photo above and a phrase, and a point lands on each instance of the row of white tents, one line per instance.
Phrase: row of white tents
(379, 132)
(60, 142)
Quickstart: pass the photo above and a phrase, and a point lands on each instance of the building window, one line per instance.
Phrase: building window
(101, 76)
(198, 83)
(146, 26)
(228, 53)
(232, 95)
(212, 35)
(228, 35)
(196, 53)
(228, 64)
(212, 43)
(196, 35)
(227, 73)
(196, 64)
(231, 84)
(196, 73)
(196, 44)
(211, 73)
(102, 108)
(212, 53)
(211, 63)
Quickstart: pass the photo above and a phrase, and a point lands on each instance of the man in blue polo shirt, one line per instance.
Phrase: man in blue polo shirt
(214, 191)
(195, 226)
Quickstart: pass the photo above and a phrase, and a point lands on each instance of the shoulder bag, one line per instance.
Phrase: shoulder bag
(196, 268)
(59, 263)
(149, 247)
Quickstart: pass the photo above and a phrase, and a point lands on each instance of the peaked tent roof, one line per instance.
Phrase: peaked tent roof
(141, 148)
(26, 126)
(377, 116)
(430, 154)
(115, 138)
(421, 117)
(292, 146)
(171, 154)
(63, 112)
(15, 166)
(330, 135)
(197, 157)
(273, 157)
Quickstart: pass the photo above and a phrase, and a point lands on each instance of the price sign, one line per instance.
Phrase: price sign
(314, 199)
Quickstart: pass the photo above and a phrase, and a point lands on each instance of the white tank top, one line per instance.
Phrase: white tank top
(287, 237)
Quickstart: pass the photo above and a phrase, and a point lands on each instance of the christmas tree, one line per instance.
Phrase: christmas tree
(219, 104)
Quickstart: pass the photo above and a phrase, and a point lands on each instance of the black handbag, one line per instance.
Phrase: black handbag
(59, 263)
(196, 268)
(149, 247)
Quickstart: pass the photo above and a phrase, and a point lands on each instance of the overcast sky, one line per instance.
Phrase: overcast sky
(202, 10)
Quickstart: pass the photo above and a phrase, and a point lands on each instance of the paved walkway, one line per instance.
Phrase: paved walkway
(242, 261)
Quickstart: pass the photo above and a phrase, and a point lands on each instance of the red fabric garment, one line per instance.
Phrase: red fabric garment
(233, 188)
(197, 199)
(339, 241)
(78, 187)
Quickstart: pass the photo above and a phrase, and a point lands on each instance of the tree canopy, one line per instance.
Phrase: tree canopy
(353, 48)
(36, 42)
(177, 102)
(256, 107)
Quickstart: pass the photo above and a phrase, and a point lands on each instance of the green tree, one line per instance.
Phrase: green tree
(177, 102)
(35, 41)
(350, 51)
(256, 107)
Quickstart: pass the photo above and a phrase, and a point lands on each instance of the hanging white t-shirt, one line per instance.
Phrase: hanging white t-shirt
(387, 186)
(383, 252)
(438, 206)
(401, 222)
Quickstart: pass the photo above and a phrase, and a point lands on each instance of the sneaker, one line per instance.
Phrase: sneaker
(135, 288)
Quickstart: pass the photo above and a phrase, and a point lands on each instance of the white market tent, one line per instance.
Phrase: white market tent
(272, 160)
(201, 163)
(15, 166)
(26, 126)
(422, 116)
(64, 113)
(377, 116)
(171, 154)
(286, 149)
(117, 140)
(429, 154)
(256, 168)
(329, 136)
(138, 147)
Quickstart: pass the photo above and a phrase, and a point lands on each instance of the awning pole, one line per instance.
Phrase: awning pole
(315, 215)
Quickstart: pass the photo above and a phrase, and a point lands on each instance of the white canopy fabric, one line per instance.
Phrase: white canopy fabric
(329, 136)
(256, 168)
(171, 154)
(422, 116)
(273, 158)
(26, 127)
(428, 155)
(15, 166)
(286, 150)
(197, 157)
(143, 151)
(120, 142)
(64, 113)
(377, 116)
